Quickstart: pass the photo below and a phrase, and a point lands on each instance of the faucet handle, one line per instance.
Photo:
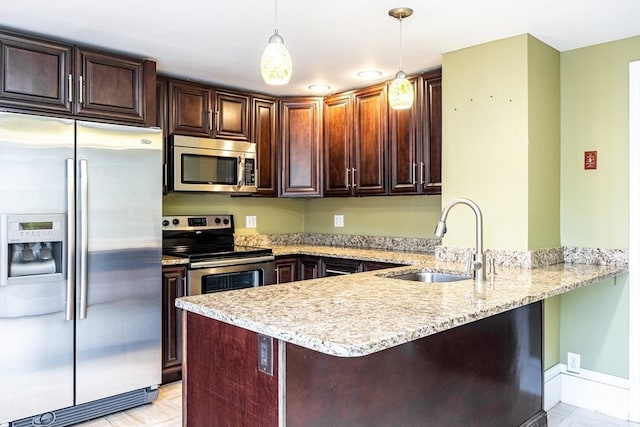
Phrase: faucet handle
(470, 262)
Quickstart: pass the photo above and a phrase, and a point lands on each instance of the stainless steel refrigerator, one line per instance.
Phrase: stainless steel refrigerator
(80, 269)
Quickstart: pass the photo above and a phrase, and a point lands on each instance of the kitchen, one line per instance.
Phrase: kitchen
(404, 216)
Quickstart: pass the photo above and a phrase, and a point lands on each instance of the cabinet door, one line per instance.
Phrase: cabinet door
(405, 139)
(173, 286)
(264, 133)
(339, 267)
(370, 140)
(189, 109)
(34, 73)
(285, 270)
(231, 115)
(432, 133)
(109, 86)
(337, 122)
(161, 118)
(300, 127)
(309, 267)
(375, 265)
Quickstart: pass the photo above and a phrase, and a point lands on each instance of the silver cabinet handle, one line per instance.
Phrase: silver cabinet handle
(342, 273)
(80, 90)
(184, 286)
(218, 121)
(210, 119)
(346, 179)
(413, 173)
(422, 172)
(69, 312)
(353, 177)
(84, 238)
(277, 270)
(70, 88)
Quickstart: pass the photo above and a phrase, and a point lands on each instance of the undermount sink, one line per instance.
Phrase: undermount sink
(431, 277)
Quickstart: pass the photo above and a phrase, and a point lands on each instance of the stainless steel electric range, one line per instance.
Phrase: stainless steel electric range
(215, 263)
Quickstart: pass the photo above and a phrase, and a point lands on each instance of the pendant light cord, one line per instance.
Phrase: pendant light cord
(276, 17)
(400, 19)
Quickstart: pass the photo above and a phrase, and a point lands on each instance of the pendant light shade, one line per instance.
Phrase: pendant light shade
(275, 64)
(400, 90)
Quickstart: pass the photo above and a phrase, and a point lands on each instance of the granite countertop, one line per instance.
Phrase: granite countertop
(363, 313)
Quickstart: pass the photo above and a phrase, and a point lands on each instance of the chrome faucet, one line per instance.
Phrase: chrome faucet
(477, 261)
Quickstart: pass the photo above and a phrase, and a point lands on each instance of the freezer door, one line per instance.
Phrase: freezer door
(36, 356)
(119, 209)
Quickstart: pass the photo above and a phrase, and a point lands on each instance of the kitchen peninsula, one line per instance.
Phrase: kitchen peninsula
(370, 350)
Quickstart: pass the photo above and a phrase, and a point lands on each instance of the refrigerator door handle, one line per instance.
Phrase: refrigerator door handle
(84, 238)
(69, 313)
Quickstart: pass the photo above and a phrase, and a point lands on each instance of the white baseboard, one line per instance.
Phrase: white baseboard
(590, 390)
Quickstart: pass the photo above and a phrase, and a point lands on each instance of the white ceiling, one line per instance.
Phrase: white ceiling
(221, 41)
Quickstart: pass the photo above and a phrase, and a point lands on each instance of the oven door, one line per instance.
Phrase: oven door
(209, 279)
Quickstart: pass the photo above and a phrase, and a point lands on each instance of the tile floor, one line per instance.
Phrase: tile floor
(166, 412)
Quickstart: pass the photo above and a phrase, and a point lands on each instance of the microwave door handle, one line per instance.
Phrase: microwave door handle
(240, 171)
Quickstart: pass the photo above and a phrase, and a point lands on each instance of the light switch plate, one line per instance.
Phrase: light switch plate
(265, 354)
(251, 221)
(338, 220)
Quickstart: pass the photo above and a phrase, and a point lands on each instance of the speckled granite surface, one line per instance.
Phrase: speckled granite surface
(413, 244)
(173, 260)
(363, 313)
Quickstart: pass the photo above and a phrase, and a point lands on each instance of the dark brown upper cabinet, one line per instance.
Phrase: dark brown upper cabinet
(264, 133)
(415, 139)
(432, 136)
(189, 109)
(355, 142)
(300, 143)
(370, 141)
(337, 122)
(202, 110)
(231, 115)
(110, 86)
(39, 75)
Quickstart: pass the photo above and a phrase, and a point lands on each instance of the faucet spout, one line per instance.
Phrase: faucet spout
(478, 264)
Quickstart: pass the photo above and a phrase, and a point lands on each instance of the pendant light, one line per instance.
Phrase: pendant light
(400, 90)
(275, 64)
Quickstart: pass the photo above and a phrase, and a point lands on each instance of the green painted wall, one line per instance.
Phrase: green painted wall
(594, 203)
(401, 216)
(552, 313)
(484, 149)
(501, 142)
(273, 215)
(544, 145)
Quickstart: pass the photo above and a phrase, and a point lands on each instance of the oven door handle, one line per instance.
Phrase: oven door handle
(231, 261)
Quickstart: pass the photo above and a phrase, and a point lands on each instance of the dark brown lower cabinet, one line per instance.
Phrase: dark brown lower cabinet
(310, 267)
(285, 270)
(173, 285)
(487, 373)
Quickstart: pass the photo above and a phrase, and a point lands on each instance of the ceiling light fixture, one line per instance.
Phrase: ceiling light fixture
(319, 88)
(369, 74)
(400, 90)
(275, 64)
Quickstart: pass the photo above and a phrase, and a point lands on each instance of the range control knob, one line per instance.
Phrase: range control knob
(165, 222)
(226, 221)
(217, 220)
(175, 221)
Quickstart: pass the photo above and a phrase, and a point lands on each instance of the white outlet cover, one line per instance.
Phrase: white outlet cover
(251, 221)
(338, 220)
(573, 362)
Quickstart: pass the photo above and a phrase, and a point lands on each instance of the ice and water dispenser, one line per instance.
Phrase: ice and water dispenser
(33, 246)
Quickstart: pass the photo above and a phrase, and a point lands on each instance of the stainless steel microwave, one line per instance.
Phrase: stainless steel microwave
(214, 165)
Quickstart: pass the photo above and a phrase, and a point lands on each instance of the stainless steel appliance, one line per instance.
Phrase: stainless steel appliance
(215, 262)
(80, 269)
(205, 164)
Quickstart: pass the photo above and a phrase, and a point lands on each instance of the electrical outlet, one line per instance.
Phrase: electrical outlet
(251, 221)
(573, 363)
(338, 220)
